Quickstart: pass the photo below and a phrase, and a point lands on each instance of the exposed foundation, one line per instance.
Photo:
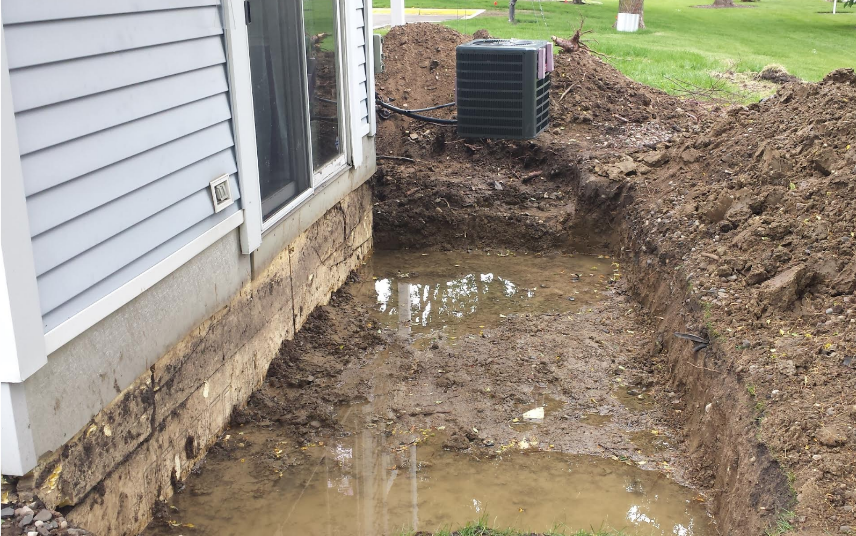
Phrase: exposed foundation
(136, 451)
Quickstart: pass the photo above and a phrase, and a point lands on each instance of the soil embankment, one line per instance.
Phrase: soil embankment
(734, 224)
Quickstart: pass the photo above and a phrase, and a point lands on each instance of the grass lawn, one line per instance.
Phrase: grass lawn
(684, 42)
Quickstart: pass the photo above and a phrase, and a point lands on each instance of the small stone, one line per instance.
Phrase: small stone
(845, 529)
(310, 379)
(63, 524)
(24, 510)
(44, 515)
(830, 311)
(708, 407)
(816, 457)
(746, 344)
(38, 523)
(52, 525)
(43, 531)
(26, 520)
(315, 424)
(7, 512)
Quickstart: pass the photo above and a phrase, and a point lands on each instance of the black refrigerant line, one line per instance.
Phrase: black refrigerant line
(413, 115)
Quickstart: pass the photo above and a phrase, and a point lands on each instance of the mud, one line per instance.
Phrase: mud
(732, 224)
(433, 362)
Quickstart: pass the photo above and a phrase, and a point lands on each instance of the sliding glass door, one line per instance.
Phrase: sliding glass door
(297, 88)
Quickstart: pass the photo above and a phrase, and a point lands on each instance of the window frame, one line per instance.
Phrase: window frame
(238, 66)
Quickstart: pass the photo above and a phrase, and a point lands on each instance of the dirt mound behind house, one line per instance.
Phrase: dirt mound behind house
(589, 97)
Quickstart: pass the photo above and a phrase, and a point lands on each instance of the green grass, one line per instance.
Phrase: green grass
(684, 42)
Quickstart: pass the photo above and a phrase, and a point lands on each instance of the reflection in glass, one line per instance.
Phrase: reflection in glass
(323, 81)
(279, 102)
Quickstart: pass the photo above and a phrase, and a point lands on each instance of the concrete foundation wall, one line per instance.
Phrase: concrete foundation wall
(183, 378)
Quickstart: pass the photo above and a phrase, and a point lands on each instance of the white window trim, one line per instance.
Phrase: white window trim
(22, 343)
(238, 66)
(243, 122)
(370, 78)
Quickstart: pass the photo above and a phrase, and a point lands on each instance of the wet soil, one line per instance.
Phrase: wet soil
(407, 403)
(732, 224)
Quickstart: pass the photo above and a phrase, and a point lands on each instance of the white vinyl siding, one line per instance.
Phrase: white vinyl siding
(123, 118)
(360, 76)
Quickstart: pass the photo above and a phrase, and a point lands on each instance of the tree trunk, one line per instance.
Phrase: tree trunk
(633, 6)
(723, 3)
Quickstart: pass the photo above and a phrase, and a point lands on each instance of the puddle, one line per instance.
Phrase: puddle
(650, 442)
(372, 484)
(382, 473)
(596, 419)
(464, 292)
(633, 398)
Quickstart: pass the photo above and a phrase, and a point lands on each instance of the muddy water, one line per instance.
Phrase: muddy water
(383, 472)
(371, 484)
(458, 292)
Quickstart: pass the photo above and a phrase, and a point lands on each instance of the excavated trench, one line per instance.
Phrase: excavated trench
(504, 356)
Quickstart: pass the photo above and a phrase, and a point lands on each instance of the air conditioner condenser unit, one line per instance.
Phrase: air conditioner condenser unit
(503, 88)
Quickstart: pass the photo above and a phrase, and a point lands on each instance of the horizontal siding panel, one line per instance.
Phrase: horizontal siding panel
(52, 125)
(58, 205)
(27, 44)
(360, 38)
(87, 269)
(62, 243)
(58, 82)
(361, 55)
(129, 272)
(34, 11)
(53, 166)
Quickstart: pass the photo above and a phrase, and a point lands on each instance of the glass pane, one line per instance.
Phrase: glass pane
(279, 101)
(323, 77)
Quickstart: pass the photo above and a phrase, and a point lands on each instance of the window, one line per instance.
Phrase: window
(299, 126)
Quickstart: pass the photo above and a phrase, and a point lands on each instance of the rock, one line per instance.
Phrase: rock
(43, 531)
(24, 510)
(756, 276)
(315, 424)
(690, 156)
(44, 515)
(26, 520)
(7, 512)
(746, 344)
(817, 457)
(497, 185)
(845, 529)
(786, 367)
(831, 436)
(656, 158)
(534, 415)
(786, 287)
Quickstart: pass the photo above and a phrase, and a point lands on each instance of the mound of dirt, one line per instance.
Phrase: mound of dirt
(756, 217)
(590, 98)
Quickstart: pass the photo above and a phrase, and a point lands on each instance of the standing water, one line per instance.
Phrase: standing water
(377, 476)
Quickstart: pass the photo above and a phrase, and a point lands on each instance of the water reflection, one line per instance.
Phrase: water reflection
(375, 483)
(416, 291)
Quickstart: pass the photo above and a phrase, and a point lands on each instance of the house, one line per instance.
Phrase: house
(183, 181)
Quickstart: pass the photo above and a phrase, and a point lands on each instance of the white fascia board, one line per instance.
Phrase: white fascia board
(99, 310)
(22, 346)
(243, 122)
(16, 437)
(370, 77)
(352, 101)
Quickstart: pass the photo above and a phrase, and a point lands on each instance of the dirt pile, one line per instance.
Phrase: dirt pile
(755, 219)
(590, 99)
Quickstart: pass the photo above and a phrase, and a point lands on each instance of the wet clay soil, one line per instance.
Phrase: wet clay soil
(407, 404)
(734, 224)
